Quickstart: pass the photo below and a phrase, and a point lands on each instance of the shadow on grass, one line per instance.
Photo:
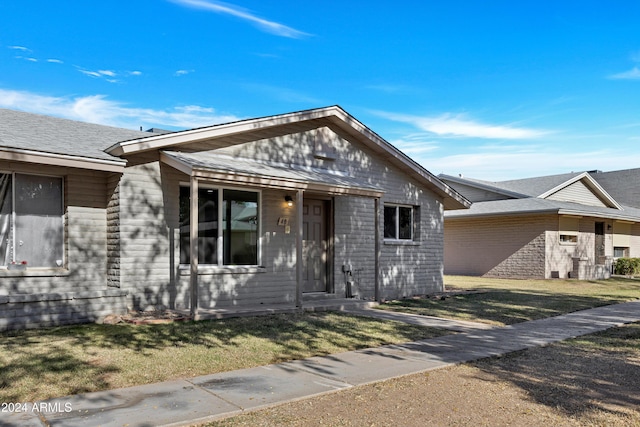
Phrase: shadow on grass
(503, 307)
(65, 355)
(580, 377)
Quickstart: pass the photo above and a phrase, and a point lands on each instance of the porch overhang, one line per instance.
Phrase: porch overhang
(229, 170)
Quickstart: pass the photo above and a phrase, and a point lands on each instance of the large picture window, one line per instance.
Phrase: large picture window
(237, 231)
(398, 222)
(31, 220)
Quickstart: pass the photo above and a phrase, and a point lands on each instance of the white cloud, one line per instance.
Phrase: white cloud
(135, 73)
(633, 74)
(271, 27)
(107, 73)
(99, 73)
(498, 163)
(457, 125)
(55, 61)
(183, 72)
(98, 109)
(22, 48)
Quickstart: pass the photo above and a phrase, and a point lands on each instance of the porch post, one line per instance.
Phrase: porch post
(299, 232)
(376, 271)
(193, 246)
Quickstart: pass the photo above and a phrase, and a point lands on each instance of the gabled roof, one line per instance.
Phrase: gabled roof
(49, 140)
(534, 187)
(546, 194)
(334, 117)
(541, 187)
(623, 185)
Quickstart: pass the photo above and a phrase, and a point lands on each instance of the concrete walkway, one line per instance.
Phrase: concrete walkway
(183, 402)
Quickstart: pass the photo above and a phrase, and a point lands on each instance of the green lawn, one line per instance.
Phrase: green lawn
(508, 301)
(39, 364)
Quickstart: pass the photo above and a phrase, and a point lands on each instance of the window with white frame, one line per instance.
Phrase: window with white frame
(228, 226)
(398, 222)
(31, 220)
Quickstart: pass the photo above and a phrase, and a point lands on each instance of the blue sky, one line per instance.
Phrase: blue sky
(489, 89)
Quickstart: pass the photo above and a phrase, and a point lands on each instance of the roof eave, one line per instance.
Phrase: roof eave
(64, 160)
(482, 186)
(554, 211)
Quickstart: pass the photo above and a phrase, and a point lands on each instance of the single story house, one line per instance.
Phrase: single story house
(561, 226)
(272, 210)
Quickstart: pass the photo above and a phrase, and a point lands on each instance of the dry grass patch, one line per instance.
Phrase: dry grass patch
(589, 381)
(509, 301)
(40, 364)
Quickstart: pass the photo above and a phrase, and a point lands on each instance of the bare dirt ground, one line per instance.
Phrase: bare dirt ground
(558, 385)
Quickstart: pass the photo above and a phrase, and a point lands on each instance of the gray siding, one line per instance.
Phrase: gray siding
(145, 249)
(404, 269)
(76, 292)
(149, 246)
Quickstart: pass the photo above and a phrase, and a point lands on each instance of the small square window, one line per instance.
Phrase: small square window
(398, 222)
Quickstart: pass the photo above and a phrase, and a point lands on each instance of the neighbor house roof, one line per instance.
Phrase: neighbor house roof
(534, 205)
(536, 196)
(334, 117)
(623, 185)
(49, 140)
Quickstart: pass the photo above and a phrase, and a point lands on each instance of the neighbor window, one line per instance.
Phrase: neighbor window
(31, 220)
(398, 222)
(568, 230)
(620, 252)
(237, 231)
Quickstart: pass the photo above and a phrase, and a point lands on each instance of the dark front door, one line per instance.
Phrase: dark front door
(314, 245)
(599, 243)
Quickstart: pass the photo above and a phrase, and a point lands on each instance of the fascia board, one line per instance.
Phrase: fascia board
(483, 186)
(64, 160)
(158, 142)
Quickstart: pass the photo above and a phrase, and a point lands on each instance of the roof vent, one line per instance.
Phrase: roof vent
(158, 131)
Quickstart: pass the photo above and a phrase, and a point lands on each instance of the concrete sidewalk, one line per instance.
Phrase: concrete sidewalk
(184, 402)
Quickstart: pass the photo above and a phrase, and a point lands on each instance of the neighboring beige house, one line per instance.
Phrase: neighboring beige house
(285, 208)
(560, 226)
